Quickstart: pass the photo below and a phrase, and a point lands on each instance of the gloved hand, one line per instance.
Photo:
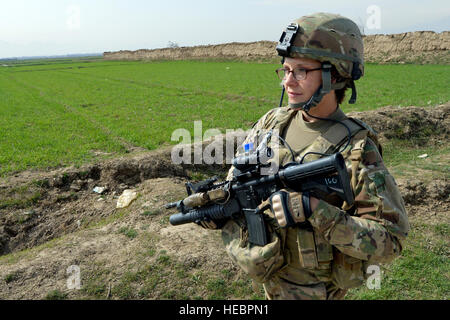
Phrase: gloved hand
(211, 224)
(290, 207)
(208, 224)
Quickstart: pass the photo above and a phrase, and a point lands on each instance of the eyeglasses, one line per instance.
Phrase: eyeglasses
(299, 73)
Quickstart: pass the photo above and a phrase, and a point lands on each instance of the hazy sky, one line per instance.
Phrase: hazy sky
(49, 27)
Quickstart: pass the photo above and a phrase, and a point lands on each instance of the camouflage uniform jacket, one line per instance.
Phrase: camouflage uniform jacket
(371, 231)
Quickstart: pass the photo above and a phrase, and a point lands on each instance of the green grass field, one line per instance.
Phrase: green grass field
(56, 113)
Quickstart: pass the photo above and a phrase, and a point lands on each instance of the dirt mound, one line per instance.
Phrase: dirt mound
(420, 126)
(36, 207)
(416, 192)
(409, 47)
(251, 51)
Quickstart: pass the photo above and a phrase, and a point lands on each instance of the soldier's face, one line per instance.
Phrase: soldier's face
(302, 90)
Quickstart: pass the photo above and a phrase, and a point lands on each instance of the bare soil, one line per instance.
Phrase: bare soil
(421, 47)
(50, 220)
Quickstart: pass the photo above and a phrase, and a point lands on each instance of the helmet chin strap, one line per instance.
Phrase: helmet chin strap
(323, 89)
(311, 103)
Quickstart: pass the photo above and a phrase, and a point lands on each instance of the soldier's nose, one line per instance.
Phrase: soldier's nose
(290, 80)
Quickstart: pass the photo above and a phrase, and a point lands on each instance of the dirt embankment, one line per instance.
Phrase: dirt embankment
(408, 47)
(89, 231)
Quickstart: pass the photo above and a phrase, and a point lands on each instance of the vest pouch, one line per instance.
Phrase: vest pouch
(346, 272)
(259, 263)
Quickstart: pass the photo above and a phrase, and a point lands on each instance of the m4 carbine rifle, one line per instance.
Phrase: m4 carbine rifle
(210, 200)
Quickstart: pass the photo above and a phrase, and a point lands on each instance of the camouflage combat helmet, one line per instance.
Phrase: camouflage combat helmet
(331, 39)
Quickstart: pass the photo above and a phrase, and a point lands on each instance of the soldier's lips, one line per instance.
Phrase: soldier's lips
(294, 94)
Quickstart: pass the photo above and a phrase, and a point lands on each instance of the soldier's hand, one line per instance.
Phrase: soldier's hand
(289, 207)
